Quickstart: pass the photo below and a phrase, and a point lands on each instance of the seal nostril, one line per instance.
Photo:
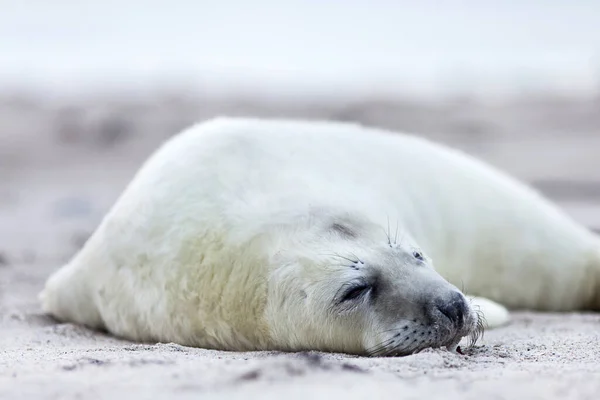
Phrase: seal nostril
(454, 307)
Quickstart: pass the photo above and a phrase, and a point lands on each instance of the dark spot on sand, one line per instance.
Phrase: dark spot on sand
(313, 359)
(250, 375)
(145, 361)
(83, 362)
(352, 367)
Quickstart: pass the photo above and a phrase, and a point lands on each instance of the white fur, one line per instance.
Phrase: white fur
(186, 232)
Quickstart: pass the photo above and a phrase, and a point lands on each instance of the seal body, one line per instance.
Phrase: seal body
(247, 234)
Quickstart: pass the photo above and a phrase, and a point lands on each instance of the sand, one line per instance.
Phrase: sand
(64, 162)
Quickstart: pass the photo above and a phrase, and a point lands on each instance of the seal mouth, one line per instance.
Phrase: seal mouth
(411, 339)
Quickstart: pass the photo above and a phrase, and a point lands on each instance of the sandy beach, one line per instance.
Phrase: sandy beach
(64, 162)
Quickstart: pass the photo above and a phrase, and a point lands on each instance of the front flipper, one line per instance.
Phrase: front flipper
(495, 314)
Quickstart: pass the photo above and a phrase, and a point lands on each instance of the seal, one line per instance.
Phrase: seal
(266, 234)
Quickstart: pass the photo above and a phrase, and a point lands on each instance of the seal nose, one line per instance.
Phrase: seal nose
(454, 307)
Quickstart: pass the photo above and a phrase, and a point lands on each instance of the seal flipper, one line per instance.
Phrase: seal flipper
(68, 297)
(495, 315)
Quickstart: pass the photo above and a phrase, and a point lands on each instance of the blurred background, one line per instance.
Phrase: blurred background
(89, 89)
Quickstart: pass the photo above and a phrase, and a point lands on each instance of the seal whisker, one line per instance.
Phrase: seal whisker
(388, 230)
(338, 265)
(401, 349)
(389, 242)
(481, 320)
(391, 330)
(397, 348)
(346, 258)
(355, 256)
(402, 236)
(479, 330)
(378, 348)
(342, 257)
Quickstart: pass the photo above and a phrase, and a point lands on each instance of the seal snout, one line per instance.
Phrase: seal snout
(454, 307)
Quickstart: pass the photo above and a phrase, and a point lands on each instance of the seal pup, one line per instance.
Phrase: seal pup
(250, 234)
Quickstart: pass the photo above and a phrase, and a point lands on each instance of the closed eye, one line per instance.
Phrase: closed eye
(355, 292)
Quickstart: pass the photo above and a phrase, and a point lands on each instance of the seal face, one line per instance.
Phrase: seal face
(353, 287)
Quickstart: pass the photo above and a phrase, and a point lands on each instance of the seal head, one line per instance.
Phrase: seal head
(344, 284)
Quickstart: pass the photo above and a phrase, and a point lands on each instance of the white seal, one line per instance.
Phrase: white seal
(248, 234)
